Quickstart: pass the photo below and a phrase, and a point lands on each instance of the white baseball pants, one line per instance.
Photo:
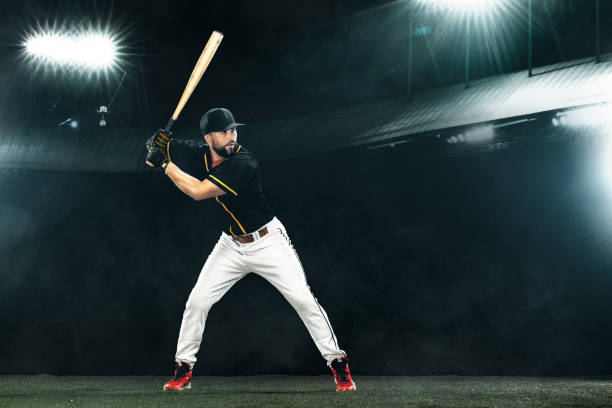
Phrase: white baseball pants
(273, 258)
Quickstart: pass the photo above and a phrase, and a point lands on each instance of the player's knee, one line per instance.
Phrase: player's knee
(302, 301)
(199, 305)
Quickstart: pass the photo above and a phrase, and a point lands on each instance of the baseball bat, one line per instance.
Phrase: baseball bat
(207, 54)
(196, 74)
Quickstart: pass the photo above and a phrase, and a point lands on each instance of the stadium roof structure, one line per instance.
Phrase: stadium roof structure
(550, 88)
(487, 100)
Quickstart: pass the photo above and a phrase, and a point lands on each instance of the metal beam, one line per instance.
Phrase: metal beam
(467, 52)
(411, 33)
(433, 58)
(529, 40)
(597, 41)
(553, 30)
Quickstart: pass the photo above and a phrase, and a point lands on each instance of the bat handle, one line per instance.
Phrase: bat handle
(169, 125)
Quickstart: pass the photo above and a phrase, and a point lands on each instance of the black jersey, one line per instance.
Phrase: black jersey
(244, 202)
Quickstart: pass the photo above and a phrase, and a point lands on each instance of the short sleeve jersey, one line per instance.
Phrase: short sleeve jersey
(243, 203)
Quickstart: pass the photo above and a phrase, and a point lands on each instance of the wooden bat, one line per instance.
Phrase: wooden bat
(198, 71)
(196, 75)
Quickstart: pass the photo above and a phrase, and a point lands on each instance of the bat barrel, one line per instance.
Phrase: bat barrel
(198, 70)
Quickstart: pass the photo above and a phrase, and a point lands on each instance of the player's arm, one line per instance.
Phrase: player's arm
(158, 155)
(194, 188)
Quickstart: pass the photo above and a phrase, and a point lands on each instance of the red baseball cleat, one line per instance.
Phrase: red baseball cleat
(182, 378)
(342, 375)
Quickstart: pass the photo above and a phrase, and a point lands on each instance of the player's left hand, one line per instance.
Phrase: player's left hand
(156, 136)
(161, 138)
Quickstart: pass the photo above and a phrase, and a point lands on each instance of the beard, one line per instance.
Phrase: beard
(222, 151)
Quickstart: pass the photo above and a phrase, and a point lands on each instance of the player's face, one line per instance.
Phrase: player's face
(224, 143)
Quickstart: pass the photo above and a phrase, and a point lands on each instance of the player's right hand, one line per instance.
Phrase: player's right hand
(158, 154)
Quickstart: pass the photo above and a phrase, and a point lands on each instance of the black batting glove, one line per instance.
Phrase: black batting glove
(158, 157)
(158, 154)
(161, 138)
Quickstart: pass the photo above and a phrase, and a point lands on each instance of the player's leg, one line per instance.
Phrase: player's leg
(222, 269)
(278, 263)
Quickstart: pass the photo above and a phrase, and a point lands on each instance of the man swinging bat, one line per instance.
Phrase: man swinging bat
(254, 241)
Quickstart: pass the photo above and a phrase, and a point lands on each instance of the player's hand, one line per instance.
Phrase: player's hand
(161, 138)
(158, 154)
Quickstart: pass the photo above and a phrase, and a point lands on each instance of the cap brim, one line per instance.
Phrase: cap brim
(233, 125)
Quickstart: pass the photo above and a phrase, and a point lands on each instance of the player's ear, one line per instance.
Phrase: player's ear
(207, 138)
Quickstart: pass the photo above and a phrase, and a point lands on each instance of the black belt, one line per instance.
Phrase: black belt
(245, 239)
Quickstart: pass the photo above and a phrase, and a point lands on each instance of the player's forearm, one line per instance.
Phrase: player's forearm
(194, 188)
(186, 183)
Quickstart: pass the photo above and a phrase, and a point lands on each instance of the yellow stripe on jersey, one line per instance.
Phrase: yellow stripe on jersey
(230, 213)
(224, 185)
(206, 162)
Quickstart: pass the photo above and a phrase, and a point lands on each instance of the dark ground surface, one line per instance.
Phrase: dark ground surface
(303, 391)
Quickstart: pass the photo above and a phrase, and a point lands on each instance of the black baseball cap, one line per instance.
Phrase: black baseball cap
(218, 120)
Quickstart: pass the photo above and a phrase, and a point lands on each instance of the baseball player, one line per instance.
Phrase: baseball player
(254, 241)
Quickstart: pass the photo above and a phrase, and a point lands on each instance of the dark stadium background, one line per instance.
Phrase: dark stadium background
(485, 264)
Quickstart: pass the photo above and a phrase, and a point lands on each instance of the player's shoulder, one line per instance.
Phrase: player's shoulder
(243, 155)
(242, 151)
(241, 159)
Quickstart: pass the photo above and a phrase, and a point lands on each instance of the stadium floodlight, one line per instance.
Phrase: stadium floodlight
(592, 116)
(89, 50)
(462, 6)
(479, 16)
(480, 134)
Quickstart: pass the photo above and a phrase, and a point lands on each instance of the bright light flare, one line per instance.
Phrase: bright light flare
(480, 134)
(89, 50)
(606, 163)
(601, 172)
(597, 179)
(463, 6)
(592, 116)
